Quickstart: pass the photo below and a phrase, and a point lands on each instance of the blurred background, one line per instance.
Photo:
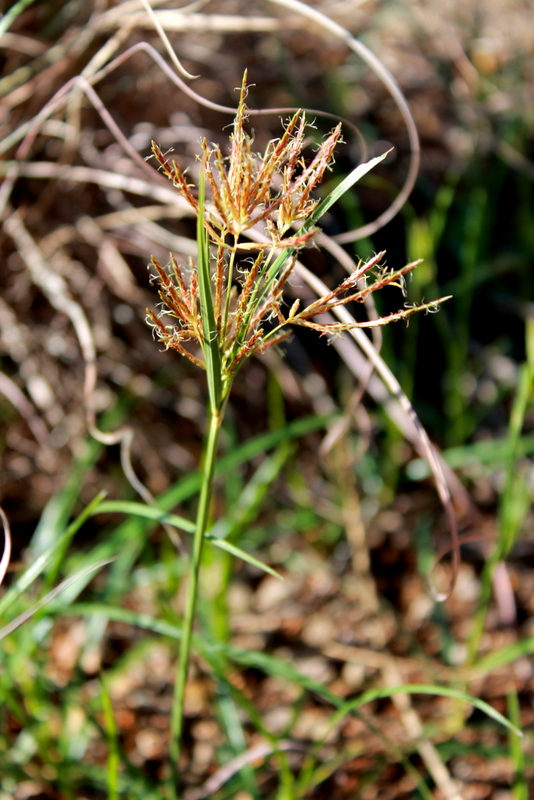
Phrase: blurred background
(354, 531)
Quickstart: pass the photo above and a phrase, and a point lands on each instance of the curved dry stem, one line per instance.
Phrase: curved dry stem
(23, 44)
(101, 177)
(18, 400)
(223, 775)
(400, 101)
(57, 293)
(74, 102)
(168, 46)
(29, 130)
(6, 555)
(61, 98)
(342, 425)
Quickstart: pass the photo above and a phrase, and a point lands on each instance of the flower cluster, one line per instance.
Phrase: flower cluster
(242, 183)
(272, 192)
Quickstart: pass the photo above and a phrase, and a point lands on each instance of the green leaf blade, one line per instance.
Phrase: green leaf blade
(207, 311)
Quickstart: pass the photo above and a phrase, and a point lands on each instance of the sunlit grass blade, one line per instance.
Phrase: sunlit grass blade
(10, 16)
(344, 186)
(506, 655)
(110, 726)
(433, 689)
(149, 512)
(275, 666)
(520, 788)
(238, 552)
(41, 563)
(517, 496)
(209, 326)
(282, 669)
(78, 580)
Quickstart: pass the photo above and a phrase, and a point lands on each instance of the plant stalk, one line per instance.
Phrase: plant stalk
(177, 714)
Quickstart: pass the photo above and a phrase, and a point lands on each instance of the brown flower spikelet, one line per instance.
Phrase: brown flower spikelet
(272, 190)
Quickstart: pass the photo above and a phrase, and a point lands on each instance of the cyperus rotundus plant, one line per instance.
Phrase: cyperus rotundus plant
(229, 305)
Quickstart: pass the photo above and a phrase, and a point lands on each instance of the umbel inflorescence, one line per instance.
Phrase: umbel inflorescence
(272, 192)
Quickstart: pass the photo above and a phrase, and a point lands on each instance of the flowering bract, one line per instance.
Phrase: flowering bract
(272, 191)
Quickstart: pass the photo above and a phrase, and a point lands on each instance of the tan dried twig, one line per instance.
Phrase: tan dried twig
(56, 291)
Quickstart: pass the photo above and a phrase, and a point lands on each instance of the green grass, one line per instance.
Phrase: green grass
(109, 566)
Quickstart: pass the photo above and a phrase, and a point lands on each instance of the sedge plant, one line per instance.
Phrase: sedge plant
(229, 304)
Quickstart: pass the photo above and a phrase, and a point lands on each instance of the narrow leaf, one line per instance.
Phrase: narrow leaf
(209, 327)
(113, 744)
(278, 668)
(66, 584)
(222, 544)
(41, 563)
(343, 187)
(148, 512)
(440, 691)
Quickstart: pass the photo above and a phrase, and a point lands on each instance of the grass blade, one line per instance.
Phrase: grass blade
(506, 655)
(236, 551)
(10, 16)
(209, 327)
(113, 744)
(417, 688)
(149, 512)
(343, 187)
(275, 666)
(66, 584)
(520, 788)
(40, 563)
(346, 184)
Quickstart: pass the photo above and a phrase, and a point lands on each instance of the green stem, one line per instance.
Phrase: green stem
(229, 288)
(177, 715)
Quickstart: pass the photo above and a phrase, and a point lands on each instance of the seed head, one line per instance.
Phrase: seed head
(273, 191)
